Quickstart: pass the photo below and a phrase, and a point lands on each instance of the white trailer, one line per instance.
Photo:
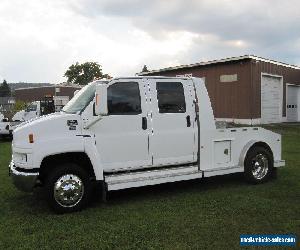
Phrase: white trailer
(132, 132)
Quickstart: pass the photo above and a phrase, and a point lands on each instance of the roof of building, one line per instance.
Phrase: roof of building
(53, 86)
(230, 59)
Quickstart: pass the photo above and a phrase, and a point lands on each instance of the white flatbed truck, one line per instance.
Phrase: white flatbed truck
(132, 132)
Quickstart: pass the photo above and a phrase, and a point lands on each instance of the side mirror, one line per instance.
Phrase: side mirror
(101, 100)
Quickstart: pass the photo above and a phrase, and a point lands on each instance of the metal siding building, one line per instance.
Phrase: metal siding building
(246, 89)
(38, 93)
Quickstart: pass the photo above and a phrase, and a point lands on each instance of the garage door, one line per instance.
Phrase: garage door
(271, 99)
(292, 103)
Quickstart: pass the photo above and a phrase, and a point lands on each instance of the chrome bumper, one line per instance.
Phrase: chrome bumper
(280, 163)
(23, 181)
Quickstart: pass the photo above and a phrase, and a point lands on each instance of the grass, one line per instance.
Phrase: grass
(205, 214)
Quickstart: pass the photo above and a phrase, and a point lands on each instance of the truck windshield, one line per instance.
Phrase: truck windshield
(81, 99)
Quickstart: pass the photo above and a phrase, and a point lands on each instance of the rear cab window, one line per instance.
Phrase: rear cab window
(170, 96)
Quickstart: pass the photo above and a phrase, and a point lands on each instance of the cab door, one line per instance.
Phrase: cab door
(122, 136)
(173, 140)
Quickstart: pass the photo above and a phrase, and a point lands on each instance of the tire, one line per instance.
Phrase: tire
(259, 165)
(68, 188)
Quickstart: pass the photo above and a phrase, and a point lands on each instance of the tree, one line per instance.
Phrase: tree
(4, 89)
(19, 105)
(145, 69)
(84, 73)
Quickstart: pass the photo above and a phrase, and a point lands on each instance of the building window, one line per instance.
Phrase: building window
(185, 75)
(124, 98)
(170, 96)
(228, 78)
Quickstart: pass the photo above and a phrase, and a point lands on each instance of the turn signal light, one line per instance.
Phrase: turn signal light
(30, 138)
(97, 99)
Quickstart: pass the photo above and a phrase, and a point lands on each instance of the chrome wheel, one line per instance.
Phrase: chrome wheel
(68, 190)
(260, 166)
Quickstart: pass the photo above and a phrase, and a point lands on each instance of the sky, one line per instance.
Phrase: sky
(40, 39)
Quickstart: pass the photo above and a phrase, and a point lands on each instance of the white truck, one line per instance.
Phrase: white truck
(38, 108)
(5, 129)
(42, 107)
(33, 110)
(132, 132)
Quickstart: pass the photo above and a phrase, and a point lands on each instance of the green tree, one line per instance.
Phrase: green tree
(84, 73)
(19, 105)
(4, 89)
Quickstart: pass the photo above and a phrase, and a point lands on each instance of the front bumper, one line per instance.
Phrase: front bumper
(24, 181)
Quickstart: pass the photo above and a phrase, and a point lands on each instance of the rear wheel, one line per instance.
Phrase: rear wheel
(68, 188)
(258, 165)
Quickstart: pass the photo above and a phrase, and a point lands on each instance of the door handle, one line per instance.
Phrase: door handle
(144, 123)
(188, 121)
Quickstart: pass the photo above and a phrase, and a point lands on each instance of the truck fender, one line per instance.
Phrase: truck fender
(245, 151)
(92, 152)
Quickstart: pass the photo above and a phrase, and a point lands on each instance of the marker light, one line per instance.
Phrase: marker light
(97, 99)
(30, 138)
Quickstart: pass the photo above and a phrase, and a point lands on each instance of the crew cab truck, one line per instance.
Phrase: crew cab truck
(132, 132)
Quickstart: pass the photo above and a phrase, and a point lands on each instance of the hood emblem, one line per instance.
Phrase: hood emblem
(72, 122)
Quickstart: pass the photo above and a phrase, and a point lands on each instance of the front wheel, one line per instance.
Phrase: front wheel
(68, 188)
(258, 165)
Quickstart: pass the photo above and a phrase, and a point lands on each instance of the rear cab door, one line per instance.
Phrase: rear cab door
(173, 139)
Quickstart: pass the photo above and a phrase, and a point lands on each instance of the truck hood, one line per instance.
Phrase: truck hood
(47, 128)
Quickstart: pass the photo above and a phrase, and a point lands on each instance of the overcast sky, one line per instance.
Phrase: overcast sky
(40, 39)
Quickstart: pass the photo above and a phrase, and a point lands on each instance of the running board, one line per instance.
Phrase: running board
(151, 177)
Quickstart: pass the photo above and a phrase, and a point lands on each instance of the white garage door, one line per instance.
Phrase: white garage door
(271, 99)
(292, 103)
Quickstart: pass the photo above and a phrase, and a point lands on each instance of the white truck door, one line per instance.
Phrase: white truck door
(122, 137)
(173, 140)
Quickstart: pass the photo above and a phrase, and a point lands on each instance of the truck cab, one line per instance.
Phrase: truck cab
(131, 132)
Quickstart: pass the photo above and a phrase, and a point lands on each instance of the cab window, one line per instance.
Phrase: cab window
(123, 98)
(170, 96)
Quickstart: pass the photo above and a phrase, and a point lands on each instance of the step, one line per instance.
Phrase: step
(151, 177)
